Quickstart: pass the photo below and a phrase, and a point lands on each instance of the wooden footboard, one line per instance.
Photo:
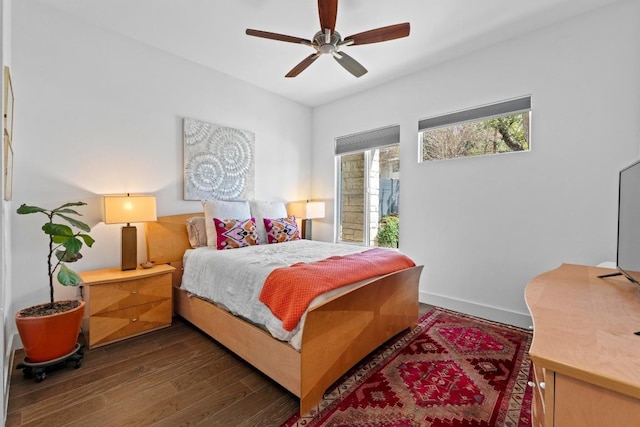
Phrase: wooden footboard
(337, 334)
(340, 332)
(354, 324)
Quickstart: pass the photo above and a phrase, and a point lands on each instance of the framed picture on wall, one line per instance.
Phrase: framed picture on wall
(218, 162)
(8, 103)
(8, 166)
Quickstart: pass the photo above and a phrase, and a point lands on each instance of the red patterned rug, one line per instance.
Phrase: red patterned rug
(450, 370)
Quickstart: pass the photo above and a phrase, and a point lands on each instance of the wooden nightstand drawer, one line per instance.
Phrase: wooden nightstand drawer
(117, 296)
(123, 304)
(115, 325)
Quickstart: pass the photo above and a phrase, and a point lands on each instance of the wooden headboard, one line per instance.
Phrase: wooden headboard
(167, 238)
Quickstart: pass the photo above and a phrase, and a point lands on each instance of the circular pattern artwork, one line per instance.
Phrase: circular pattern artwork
(218, 162)
(233, 149)
(196, 131)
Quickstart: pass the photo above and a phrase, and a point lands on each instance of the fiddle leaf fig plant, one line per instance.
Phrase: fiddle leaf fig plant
(65, 241)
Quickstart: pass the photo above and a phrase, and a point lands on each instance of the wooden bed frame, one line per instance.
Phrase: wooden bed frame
(354, 323)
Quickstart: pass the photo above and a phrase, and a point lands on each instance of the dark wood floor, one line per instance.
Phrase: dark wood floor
(172, 377)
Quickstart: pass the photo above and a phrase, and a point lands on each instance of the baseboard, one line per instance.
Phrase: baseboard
(496, 314)
(8, 364)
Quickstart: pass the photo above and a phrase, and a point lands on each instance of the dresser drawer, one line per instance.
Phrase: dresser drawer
(108, 297)
(111, 326)
(538, 403)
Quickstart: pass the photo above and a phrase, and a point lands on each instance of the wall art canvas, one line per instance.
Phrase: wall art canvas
(218, 162)
(7, 108)
(8, 167)
(8, 104)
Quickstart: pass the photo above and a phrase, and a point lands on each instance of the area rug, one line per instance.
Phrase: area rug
(450, 370)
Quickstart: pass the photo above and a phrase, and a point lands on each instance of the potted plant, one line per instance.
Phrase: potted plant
(50, 331)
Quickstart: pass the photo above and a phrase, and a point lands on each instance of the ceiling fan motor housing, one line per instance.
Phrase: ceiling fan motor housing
(320, 42)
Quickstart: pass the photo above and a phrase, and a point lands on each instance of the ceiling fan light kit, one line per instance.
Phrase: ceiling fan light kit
(329, 41)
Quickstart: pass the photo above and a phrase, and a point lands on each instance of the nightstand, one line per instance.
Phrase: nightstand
(123, 304)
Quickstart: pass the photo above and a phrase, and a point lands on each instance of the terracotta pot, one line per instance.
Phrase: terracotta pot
(50, 337)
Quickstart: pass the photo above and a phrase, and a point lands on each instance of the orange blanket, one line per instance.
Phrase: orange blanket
(288, 291)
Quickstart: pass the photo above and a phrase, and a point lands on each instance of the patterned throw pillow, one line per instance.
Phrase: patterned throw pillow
(222, 209)
(235, 233)
(261, 209)
(281, 229)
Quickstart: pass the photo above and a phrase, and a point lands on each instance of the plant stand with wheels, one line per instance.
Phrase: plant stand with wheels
(39, 369)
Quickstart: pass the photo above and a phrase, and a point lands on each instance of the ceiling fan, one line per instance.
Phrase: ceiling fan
(329, 41)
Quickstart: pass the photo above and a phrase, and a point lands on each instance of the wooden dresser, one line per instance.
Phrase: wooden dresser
(586, 356)
(123, 304)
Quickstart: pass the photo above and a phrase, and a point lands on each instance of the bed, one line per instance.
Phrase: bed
(355, 322)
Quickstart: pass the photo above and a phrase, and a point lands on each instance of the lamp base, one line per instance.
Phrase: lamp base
(129, 247)
(305, 233)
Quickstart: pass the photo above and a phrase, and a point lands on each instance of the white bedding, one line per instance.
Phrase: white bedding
(233, 278)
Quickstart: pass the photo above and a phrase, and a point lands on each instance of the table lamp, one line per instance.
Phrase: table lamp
(128, 209)
(306, 211)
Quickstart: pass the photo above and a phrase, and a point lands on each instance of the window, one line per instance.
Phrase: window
(491, 129)
(369, 187)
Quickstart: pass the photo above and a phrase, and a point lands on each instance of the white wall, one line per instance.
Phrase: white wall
(484, 227)
(6, 319)
(100, 114)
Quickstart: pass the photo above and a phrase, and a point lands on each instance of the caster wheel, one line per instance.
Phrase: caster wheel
(39, 369)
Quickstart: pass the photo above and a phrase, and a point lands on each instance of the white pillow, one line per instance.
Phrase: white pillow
(223, 210)
(264, 209)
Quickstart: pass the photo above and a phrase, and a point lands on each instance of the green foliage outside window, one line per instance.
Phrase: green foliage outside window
(493, 136)
(388, 232)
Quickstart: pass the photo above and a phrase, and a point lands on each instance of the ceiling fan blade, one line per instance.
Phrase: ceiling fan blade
(382, 34)
(328, 10)
(276, 36)
(350, 64)
(302, 65)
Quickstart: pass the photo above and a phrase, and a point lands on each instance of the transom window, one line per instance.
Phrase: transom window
(491, 129)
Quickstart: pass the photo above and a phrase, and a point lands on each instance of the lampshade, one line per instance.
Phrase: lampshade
(127, 209)
(307, 210)
(314, 210)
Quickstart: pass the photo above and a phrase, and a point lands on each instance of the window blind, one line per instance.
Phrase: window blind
(367, 140)
(512, 106)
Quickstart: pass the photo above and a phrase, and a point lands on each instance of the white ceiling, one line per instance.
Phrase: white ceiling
(212, 33)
